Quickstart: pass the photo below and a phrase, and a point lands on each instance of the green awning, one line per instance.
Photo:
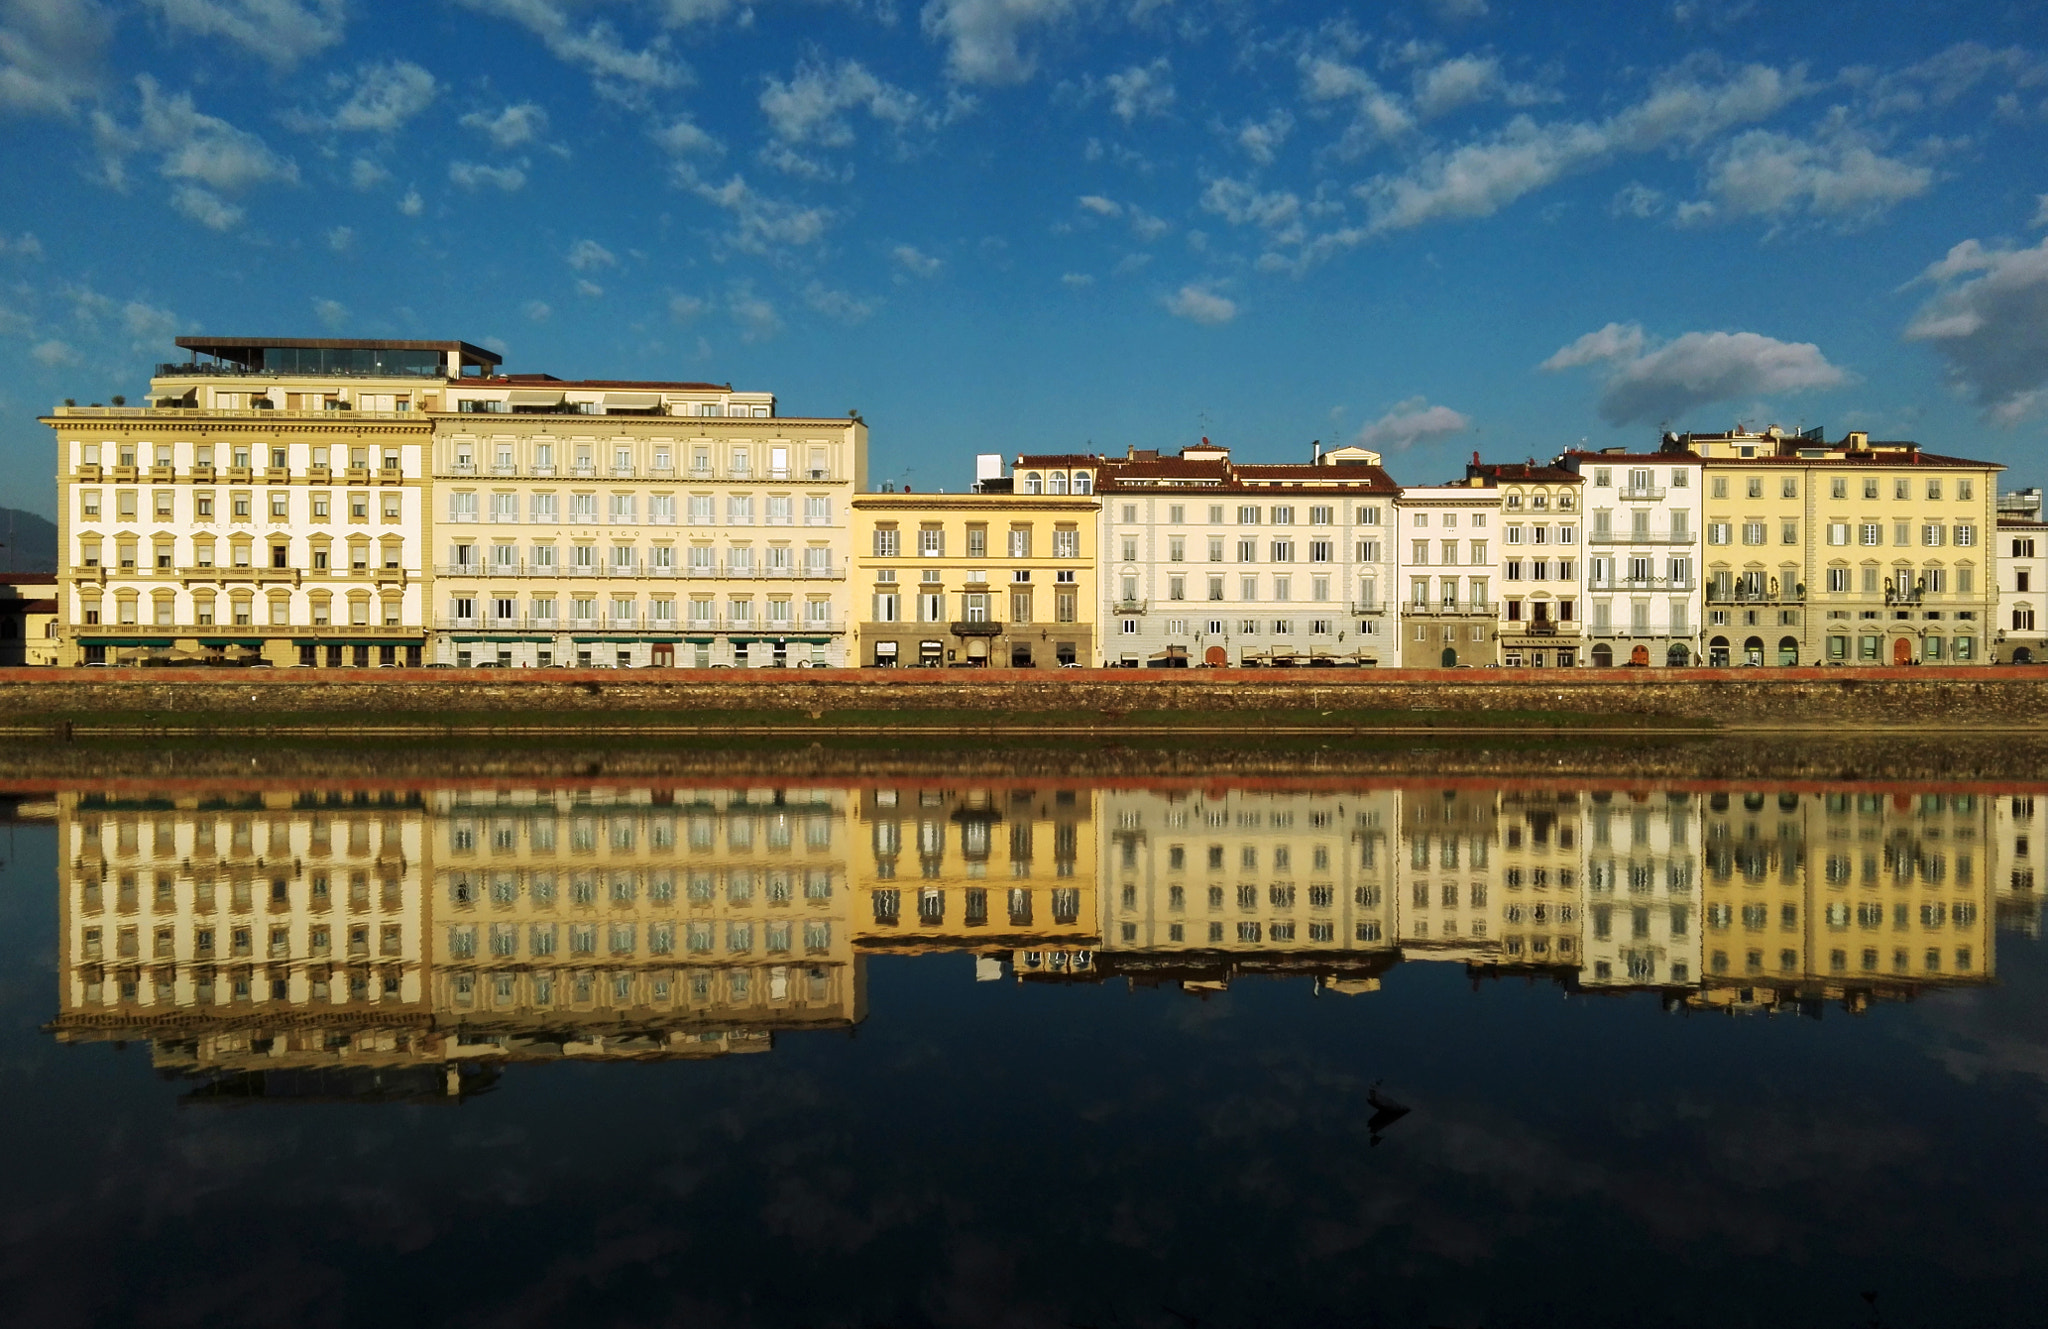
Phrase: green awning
(668, 639)
(542, 640)
(360, 641)
(700, 641)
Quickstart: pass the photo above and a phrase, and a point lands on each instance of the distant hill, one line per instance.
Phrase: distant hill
(32, 544)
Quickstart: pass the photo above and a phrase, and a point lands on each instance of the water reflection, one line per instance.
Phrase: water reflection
(406, 944)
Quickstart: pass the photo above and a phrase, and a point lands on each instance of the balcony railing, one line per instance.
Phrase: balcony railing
(1128, 606)
(1718, 595)
(680, 627)
(640, 572)
(978, 628)
(1649, 538)
(1645, 584)
(1368, 607)
(1540, 627)
(1447, 608)
(1642, 493)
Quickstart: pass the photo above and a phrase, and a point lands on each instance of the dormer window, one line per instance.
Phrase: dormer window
(1084, 482)
(1057, 483)
(1034, 483)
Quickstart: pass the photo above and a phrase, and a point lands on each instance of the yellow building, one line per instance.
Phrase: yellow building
(28, 618)
(268, 499)
(1849, 896)
(1539, 548)
(1641, 911)
(1858, 552)
(1201, 886)
(981, 579)
(2019, 836)
(1452, 849)
(989, 867)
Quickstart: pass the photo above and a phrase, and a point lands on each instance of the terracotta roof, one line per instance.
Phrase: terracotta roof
(1517, 472)
(1044, 459)
(1667, 458)
(549, 380)
(1834, 457)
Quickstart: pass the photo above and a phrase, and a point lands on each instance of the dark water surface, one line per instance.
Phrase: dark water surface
(936, 1052)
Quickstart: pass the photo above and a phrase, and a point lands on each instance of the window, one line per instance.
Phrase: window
(1020, 542)
(1066, 543)
(1753, 532)
(888, 542)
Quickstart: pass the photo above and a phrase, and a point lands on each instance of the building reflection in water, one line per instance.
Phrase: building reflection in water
(389, 945)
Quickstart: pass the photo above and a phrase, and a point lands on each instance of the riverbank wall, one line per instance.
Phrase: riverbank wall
(1024, 702)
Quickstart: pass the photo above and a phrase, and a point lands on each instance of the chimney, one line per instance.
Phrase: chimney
(1318, 446)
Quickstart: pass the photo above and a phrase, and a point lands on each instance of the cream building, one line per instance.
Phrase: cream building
(1858, 552)
(269, 498)
(1208, 560)
(630, 523)
(1538, 623)
(1639, 576)
(1453, 850)
(1000, 579)
(1448, 552)
(2019, 839)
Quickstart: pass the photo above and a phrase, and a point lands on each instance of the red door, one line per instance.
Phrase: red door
(1902, 651)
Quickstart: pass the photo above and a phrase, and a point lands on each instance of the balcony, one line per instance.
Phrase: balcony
(641, 572)
(1131, 606)
(1645, 584)
(694, 627)
(1368, 607)
(1769, 595)
(1642, 494)
(1448, 608)
(978, 628)
(1648, 538)
(1539, 627)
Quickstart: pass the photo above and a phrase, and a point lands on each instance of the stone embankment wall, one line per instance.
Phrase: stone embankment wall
(2013, 700)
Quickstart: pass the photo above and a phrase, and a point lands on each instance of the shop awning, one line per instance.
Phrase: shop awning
(635, 401)
(535, 397)
(494, 640)
(700, 641)
(252, 644)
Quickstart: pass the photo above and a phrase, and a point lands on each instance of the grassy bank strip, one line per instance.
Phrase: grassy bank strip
(855, 722)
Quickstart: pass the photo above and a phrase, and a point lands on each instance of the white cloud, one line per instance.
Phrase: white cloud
(331, 313)
(590, 256)
(539, 311)
(1410, 422)
(411, 205)
(1377, 115)
(915, 261)
(1199, 304)
(55, 354)
(190, 144)
(50, 54)
(1261, 139)
(1100, 206)
(1480, 177)
(683, 308)
(381, 98)
(1988, 320)
(1946, 76)
(476, 175)
(594, 48)
(340, 238)
(841, 306)
(756, 317)
(588, 289)
(1146, 226)
(2040, 212)
(1646, 382)
(1637, 200)
(1141, 91)
(1452, 11)
(1767, 174)
(761, 224)
(148, 324)
(683, 138)
(283, 32)
(985, 38)
(1076, 280)
(682, 13)
(809, 107)
(206, 207)
(1240, 203)
(366, 174)
(27, 246)
(516, 124)
(1456, 82)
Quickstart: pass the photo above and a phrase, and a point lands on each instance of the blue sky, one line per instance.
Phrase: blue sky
(1003, 225)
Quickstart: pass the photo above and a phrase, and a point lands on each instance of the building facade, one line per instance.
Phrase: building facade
(28, 618)
(1639, 575)
(2021, 635)
(991, 579)
(1448, 551)
(1213, 562)
(1857, 552)
(268, 501)
(1538, 621)
(630, 523)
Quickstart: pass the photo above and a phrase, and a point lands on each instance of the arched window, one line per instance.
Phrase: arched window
(1034, 483)
(1788, 650)
(1677, 657)
(1753, 651)
(1057, 483)
(1084, 483)
(2023, 618)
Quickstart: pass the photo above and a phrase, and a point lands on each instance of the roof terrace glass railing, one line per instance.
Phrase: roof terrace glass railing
(358, 362)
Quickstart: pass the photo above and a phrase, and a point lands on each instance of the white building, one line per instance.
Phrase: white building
(1205, 560)
(2020, 556)
(1639, 576)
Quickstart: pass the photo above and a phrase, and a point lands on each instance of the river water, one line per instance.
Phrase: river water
(939, 1051)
